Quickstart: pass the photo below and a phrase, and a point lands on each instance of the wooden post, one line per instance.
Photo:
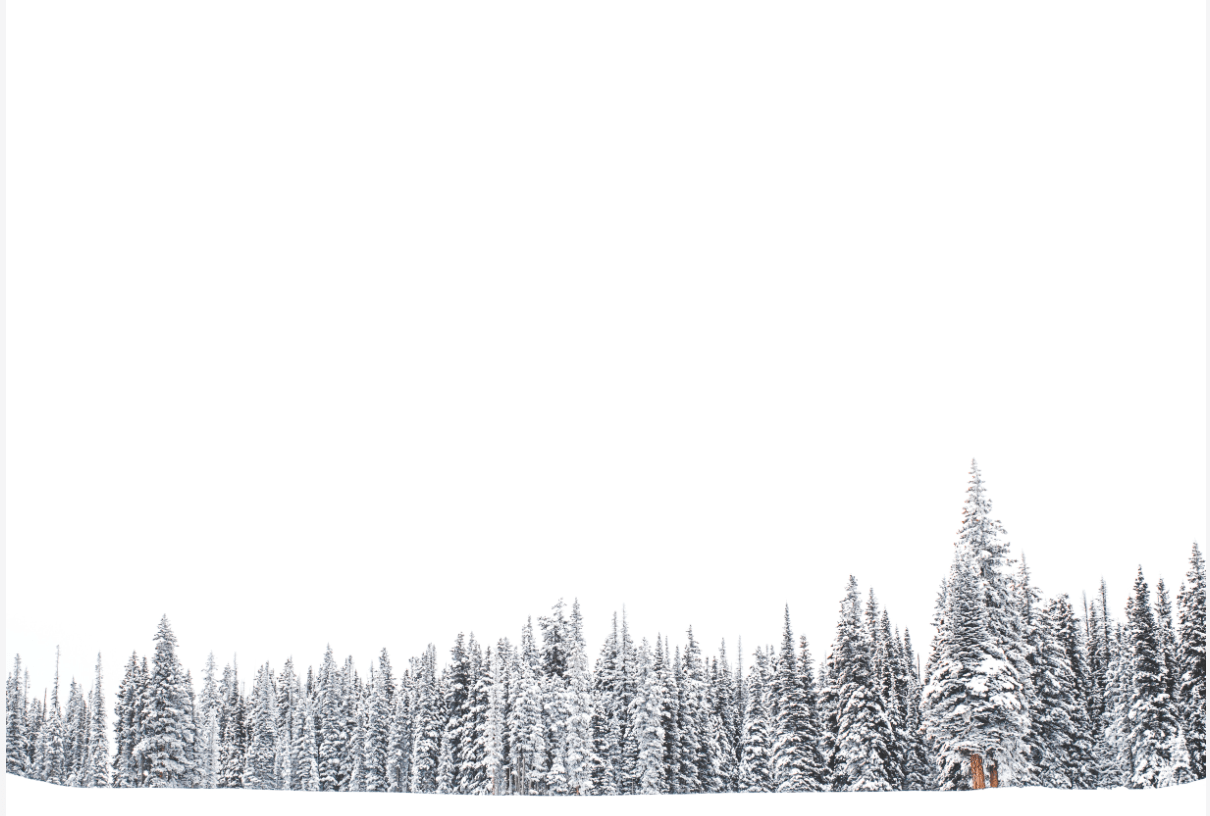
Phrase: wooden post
(995, 779)
(976, 772)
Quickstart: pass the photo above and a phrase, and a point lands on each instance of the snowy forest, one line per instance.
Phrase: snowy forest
(1015, 689)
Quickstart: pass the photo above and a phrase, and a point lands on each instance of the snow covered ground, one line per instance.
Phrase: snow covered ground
(25, 797)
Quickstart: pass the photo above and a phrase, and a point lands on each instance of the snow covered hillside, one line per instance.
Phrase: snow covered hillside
(24, 796)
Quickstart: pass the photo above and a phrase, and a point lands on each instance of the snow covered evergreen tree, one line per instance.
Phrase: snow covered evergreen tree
(577, 708)
(98, 739)
(726, 705)
(75, 766)
(167, 735)
(428, 720)
(232, 730)
(863, 742)
(497, 698)
(647, 715)
(979, 541)
(330, 724)
(971, 697)
(16, 747)
(399, 738)
(528, 725)
(793, 740)
(918, 766)
(1191, 662)
(260, 756)
(209, 705)
(377, 733)
(756, 762)
(1061, 725)
(1165, 635)
(1156, 741)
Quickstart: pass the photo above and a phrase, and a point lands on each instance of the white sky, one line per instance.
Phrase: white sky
(368, 325)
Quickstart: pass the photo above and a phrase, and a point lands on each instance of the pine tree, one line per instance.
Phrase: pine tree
(166, 733)
(578, 708)
(458, 705)
(969, 699)
(33, 727)
(979, 541)
(52, 765)
(726, 704)
(606, 736)
(756, 761)
(98, 739)
(1033, 630)
(428, 719)
(399, 739)
(192, 734)
(791, 757)
(306, 742)
(1060, 722)
(53, 754)
(209, 705)
(259, 759)
(472, 757)
(125, 734)
(1067, 638)
(232, 731)
(1112, 747)
(528, 727)
(919, 765)
(75, 766)
(377, 733)
(16, 747)
(1165, 635)
(354, 714)
(330, 724)
(863, 739)
(496, 766)
(1157, 750)
(647, 715)
(1191, 662)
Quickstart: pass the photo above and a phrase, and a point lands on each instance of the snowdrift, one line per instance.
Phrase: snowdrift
(23, 796)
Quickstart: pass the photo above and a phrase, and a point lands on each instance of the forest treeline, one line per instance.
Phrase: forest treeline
(1015, 690)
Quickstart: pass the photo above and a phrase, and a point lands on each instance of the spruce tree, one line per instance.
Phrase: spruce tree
(647, 716)
(125, 730)
(577, 708)
(232, 730)
(428, 719)
(16, 748)
(306, 746)
(377, 733)
(1157, 751)
(791, 758)
(919, 765)
(1060, 722)
(756, 765)
(970, 698)
(330, 724)
(209, 705)
(529, 725)
(260, 756)
(1191, 662)
(979, 541)
(166, 737)
(98, 738)
(1165, 635)
(863, 741)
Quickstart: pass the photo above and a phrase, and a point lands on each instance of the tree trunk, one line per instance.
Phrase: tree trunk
(995, 779)
(976, 772)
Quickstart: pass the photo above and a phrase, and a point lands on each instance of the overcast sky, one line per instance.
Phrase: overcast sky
(372, 326)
